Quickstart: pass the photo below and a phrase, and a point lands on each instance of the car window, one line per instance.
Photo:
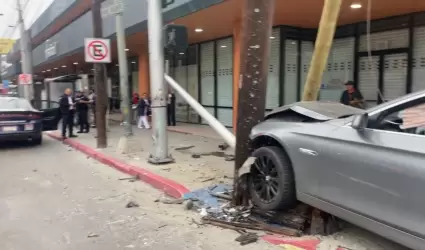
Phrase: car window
(44, 104)
(410, 120)
(15, 103)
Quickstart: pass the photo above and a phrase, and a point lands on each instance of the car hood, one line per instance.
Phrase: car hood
(320, 111)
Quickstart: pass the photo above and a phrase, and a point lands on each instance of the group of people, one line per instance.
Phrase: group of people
(79, 104)
(142, 109)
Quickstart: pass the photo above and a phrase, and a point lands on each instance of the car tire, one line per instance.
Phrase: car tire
(282, 176)
(37, 140)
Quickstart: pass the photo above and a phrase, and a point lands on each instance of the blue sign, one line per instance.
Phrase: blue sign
(6, 84)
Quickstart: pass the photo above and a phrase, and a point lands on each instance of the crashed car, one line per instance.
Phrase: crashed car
(364, 166)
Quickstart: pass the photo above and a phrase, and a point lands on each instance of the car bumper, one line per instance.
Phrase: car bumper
(20, 136)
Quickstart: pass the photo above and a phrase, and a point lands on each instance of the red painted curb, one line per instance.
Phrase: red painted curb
(168, 186)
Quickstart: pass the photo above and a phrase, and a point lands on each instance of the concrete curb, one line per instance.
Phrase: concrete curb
(168, 186)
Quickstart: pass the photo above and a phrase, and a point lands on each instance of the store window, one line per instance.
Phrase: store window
(224, 48)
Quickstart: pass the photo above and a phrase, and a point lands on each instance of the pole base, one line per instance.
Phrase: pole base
(160, 161)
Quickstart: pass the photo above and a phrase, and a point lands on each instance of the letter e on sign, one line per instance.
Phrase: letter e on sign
(97, 50)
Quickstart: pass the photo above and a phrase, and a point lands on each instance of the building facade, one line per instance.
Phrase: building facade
(386, 63)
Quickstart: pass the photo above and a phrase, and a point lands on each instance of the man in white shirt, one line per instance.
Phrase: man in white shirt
(67, 109)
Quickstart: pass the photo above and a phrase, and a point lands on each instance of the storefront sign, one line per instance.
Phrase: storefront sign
(50, 49)
(6, 45)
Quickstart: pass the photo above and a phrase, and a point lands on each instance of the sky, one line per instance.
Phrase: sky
(33, 9)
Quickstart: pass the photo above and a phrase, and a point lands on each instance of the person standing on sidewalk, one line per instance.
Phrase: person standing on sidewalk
(171, 109)
(83, 112)
(92, 98)
(143, 110)
(67, 109)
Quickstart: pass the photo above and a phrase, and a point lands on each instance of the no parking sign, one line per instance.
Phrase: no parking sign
(97, 50)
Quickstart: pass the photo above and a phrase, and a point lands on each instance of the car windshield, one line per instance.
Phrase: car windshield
(14, 103)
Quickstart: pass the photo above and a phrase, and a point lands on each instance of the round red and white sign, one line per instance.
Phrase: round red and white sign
(97, 50)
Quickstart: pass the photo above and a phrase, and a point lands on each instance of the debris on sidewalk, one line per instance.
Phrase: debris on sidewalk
(132, 204)
(130, 179)
(92, 235)
(223, 146)
(214, 206)
(196, 156)
(181, 148)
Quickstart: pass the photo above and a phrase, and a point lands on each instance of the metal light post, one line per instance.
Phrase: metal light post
(117, 9)
(159, 153)
(123, 67)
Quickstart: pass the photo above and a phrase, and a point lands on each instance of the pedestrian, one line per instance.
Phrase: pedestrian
(92, 98)
(143, 112)
(83, 111)
(134, 105)
(171, 109)
(351, 96)
(67, 109)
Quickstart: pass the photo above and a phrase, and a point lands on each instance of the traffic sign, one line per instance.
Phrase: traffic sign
(97, 50)
(25, 79)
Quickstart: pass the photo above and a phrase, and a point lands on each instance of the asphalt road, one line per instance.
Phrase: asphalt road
(52, 198)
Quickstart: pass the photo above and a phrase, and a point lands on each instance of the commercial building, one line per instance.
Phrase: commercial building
(209, 69)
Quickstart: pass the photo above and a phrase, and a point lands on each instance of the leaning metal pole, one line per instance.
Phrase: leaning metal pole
(211, 120)
(159, 154)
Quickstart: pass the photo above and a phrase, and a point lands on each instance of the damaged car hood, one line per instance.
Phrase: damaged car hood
(319, 110)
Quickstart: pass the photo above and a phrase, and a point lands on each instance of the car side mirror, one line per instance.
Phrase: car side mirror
(360, 121)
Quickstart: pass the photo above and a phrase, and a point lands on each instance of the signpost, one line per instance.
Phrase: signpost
(97, 50)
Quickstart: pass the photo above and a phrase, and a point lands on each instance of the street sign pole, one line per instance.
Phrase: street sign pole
(159, 153)
(99, 79)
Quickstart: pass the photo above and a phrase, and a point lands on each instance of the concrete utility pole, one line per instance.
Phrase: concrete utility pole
(100, 81)
(26, 55)
(323, 44)
(159, 154)
(257, 22)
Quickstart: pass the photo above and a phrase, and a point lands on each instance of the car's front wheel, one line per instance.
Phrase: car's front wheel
(272, 184)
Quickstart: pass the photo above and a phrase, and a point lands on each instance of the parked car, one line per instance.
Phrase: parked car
(364, 166)
(19, 120)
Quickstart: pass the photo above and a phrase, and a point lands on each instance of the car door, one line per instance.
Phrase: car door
(378, 174)
(51, 114)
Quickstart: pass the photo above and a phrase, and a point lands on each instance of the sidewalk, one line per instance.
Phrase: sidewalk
(210, 168)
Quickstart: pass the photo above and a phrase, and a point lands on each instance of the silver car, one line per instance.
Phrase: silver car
(364, 166)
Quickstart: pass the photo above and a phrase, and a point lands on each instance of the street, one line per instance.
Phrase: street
(54, 198)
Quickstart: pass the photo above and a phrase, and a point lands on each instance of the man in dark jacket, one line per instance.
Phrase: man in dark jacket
(67, 109)
(351, 96)
(82, 107)
(171, 109)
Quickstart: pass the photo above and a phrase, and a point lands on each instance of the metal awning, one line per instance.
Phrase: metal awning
(65, 78)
